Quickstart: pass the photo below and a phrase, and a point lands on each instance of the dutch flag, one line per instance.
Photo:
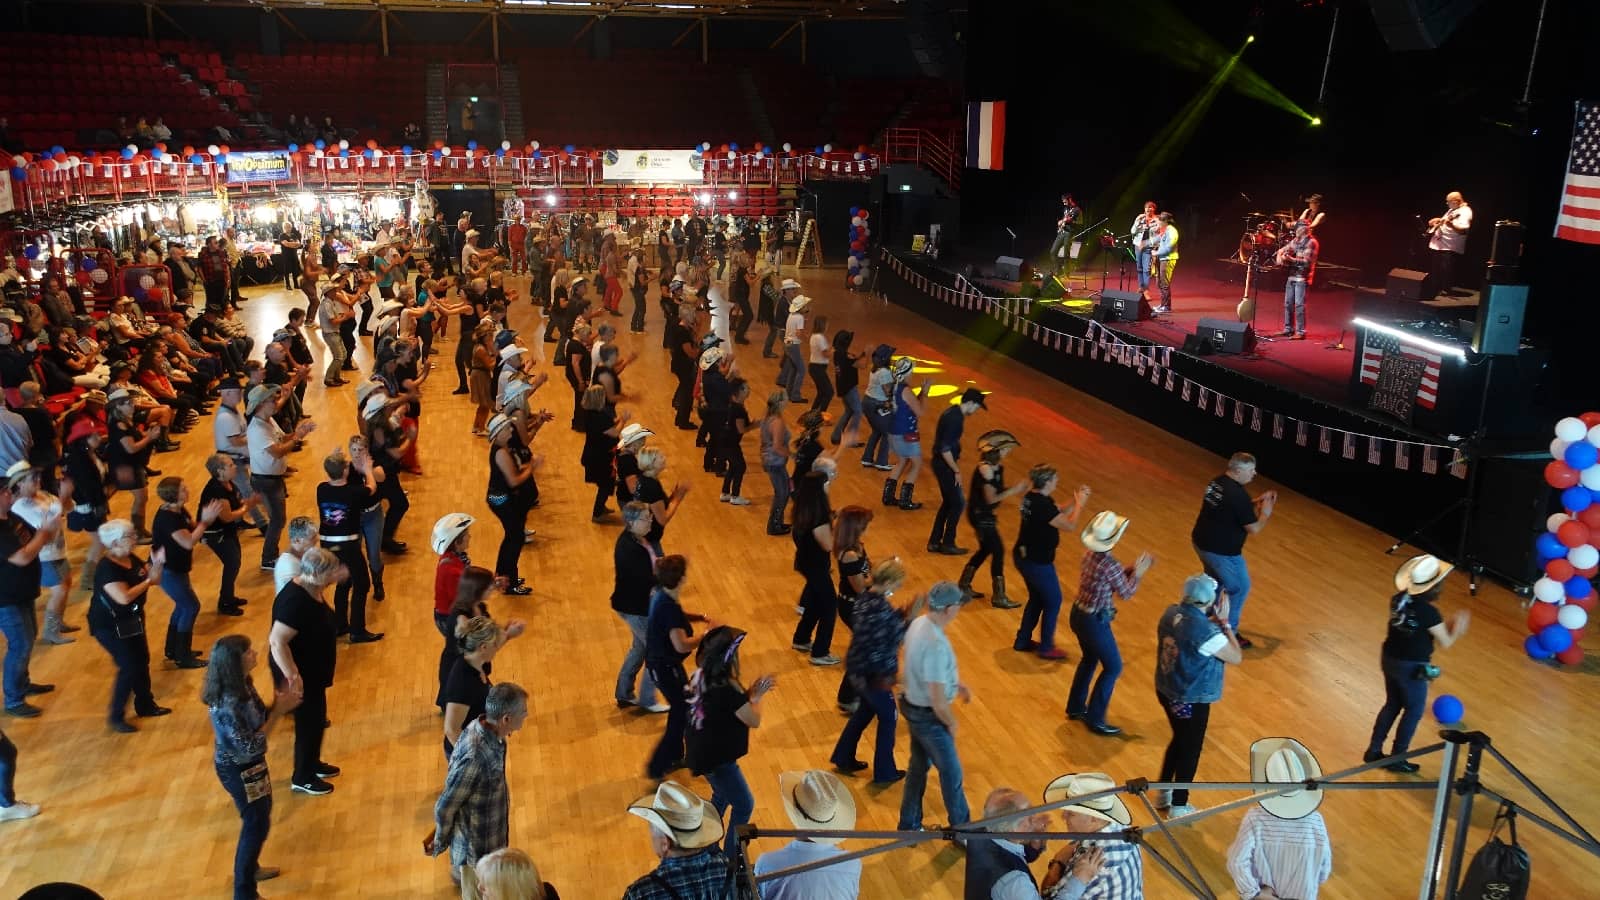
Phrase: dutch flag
(986, 134)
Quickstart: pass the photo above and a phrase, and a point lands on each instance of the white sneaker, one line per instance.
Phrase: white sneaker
(1182, 809)
(19, 810)
(657, 708)
(1161, 798)
(722, 498)
(739, 501)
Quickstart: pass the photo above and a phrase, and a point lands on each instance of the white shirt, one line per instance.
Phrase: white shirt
(929, 660)
(328, 311)
(1140, 223)
(284, 571)
(792, 327)
(594, 352)
(35, 511)
(263, 433)
(469, 256)
(225, 425)
(1291, 856)
(840, 881)
(819, 349)
(1451, 234)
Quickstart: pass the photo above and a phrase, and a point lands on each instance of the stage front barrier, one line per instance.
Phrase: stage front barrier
(1460, 758)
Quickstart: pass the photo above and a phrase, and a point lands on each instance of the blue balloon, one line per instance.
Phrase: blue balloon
(31, 251)
(294, 148)
(571, 148)
(367, 153)
(344, 151)
(406, 149)
(1576, 498)
(855, 211)
(57, 149)
(1448, 709)
(1577, 587)
(87, 264)
(198, 159)
(1534, 649)
(819, 149)
(500, 152)
(1581, 455)
(1555, 638)
(538, 154)
(157, 153)
(320, 144)
(438, 154)
(733, 147)
(18, 173)
(127, 153)
(1549, 547)
(472, 145)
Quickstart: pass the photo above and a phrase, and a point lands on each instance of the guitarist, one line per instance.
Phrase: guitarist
(1299, 260)
(1145, 229)
(1070, 214)
(1447, 240)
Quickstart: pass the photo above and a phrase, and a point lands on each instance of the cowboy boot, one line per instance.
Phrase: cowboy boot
(966, 582)
(52, 630)
(888, 491)
(171, 651)
(185, 656)
(905, 496)
(1000, 600)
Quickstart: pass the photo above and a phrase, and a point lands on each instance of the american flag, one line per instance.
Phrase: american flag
(1579, 219)
(1379, 343)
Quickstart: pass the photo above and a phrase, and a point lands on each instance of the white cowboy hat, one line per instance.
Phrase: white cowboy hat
(1419, 574)
(374, 403)
(1104, 530)
(447, 529)
(817, 800)
(389, 308)
(1286, 761)
(511, 351)
(711, 357)
(789, 284)
(633, 433)
(498, 423)
(799, 303)
(678, 813)
(1107, 809)
(365, 389)
(258, 395)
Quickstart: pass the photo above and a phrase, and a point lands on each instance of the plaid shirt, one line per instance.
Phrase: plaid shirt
(474, 810)
(1122, 877)
(1102, 577)
(214, 264)
(703, 876)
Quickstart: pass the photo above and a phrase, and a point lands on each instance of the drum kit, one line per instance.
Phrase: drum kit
(1264, 234)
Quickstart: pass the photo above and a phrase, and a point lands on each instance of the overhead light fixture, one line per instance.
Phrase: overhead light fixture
(733, 195)
(1406, 337)
(550, 199)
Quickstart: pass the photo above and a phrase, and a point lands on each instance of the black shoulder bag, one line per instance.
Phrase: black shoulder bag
(1499, 871)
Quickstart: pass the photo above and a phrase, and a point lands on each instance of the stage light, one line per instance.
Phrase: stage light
(1407, 337)
(1315, 121)
(549, 199)
(944, 390)
(1250, 39)
(733, 195)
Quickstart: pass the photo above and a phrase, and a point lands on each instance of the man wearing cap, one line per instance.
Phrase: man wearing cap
(814, 801)
(1282, 848)
(792, 371)
(472, 817)
(946, 452)
(269, 446)
(20, 546)
(1102, 579)
(685, 833)
(332, 314)
(1227, 518)
(228, 436)
(931, 684)
(1093, 869)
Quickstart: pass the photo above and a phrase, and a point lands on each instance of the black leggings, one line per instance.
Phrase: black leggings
(1182, 758)
(990, 547)
(390, 491)
(513, 516)
(671, 681)
(463, 359)
(823, 385)
(821, 602)
(602, 492)
(733, 479)
(350, 597)
(310, 722)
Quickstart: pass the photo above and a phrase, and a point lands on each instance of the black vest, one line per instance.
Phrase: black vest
(987, 861)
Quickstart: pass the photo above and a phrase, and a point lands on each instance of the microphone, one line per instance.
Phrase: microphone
(1010, 232)
(1246, 197)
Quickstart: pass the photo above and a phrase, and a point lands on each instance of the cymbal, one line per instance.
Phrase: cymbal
(1255, 215)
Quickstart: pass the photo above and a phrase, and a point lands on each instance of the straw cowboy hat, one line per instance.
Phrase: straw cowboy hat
(19, 472)
(799, 303)
(789, 284)
(633, 433)
(817, 800)
(1286, 761)
(260, 394)
(389, 308)
(1107, 809)
(1419, 574)
(1104, 530)
(676, 812)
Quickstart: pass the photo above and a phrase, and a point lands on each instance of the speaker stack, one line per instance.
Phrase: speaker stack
(1121, 306)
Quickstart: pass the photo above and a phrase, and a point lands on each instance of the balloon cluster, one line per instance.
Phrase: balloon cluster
(857, 264)
(1569, 550)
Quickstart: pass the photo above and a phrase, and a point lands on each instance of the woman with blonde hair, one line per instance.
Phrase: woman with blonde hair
(466, 689)
(652, 461)
(601, 426)
(510, 874)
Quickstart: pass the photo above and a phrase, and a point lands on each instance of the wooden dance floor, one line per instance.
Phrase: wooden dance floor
(142, 815)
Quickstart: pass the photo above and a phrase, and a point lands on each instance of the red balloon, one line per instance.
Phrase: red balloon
(188, 150)
(1590, 419)
(1559, 569)
(1572, 656)
(1573, 533)
(1588, 603)
(1590, 516)
(1541, 616)
(865, 214)
(222, 150)
(1590, 572)
(1559, 475)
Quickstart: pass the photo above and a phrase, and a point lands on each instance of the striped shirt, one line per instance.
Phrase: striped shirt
(1291, 856)
(1121, 878)
(1102, 577)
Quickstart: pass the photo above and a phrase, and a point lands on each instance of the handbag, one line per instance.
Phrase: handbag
(1499, 871)
(126, 621)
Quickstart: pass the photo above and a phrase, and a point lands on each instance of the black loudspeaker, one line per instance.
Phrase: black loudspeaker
(1499, 328)
(1195, 345)
(1509, 514)
(1419, 24)
(1008, 268)
(1409, 284)
(1505, 254)
(1225, 336)
(1121, 306)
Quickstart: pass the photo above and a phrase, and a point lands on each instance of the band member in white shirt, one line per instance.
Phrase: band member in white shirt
(1145, 226)
(1313, 212)
(1164, 253)
(1447, 240)
(1070, 214)
(1299, 260)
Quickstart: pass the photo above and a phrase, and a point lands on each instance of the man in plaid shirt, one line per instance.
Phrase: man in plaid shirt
(1111, 869)
(215, 271)
(473, 814)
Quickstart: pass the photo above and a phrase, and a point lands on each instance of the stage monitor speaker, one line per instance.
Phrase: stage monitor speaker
(1195, 345)
(1409, 284)
(1121, 306)
(1008, 268)
(1499, 328)
(1225, 335)
(1505, 253)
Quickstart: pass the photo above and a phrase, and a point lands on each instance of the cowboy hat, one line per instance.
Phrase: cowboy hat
(17, 473)
(1419, 574)
(709, 340)
(711, 357)
(996, 439)
(365, 389)
(1104, 530)
(632, 433)
(511, 351)
(678, 813)
(374, 404)
(799, 303)
(817, 800)
(1108, 809)
(389, 308)
(499, 422)
(259, 394)
(789, 284)
(447, 529)
(94, 395)
(573, 284)
(1286, 761)
(118, 395)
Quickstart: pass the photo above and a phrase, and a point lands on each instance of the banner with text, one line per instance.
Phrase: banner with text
(654, 165)
(257, 166)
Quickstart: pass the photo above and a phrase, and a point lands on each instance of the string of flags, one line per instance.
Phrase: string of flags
(1155, 363)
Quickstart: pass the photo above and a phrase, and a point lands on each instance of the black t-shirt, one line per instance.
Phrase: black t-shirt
(846, 377)
(665, 615)
(275, 373)
(714, 388)
(636, 576)
(164, 529)
(597, 445)
(227, 493)
(805, 456)
(1224, 513)
(679, 335)
(45, 451)
(20, 584)
(465, 686)
(118, 455)
(719, 737)
(1408, 636)
(809, 557)
(626, 463)
(100, 617)
(576, 352)
(1037, 538)
(313, 647)
(340, 506)
(649, 492)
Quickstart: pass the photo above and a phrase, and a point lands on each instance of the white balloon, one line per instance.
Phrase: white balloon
(827, 148)
(445, 151)
(535, 145)
(344, 144)
(1594, 436)
(1583, 556)
(213, 149)
(732, 154)
(1571, 429)
(1590, 477)
(1558, 448)
(1548, 590)
(1555, 522)
(505, 145)
(1572, 616)
(146, 282)
(98, 276)
(787, 148)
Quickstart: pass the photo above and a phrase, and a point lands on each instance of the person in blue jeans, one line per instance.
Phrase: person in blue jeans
(1227, 517)
(878, 410)
(241, 722)
(721, 714)
(11, 808)
(871, 665)
(932, 684)
(1145, 227)
(1035, 557)
(669, 638)
(1103, 580)
(178, 533)
(19, 588)
(1415, 629)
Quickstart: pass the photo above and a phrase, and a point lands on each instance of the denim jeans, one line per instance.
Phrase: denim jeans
(931, 744)
(1405, 697)
(632, 663)
(1058, 256)
(372, 542)
(877, 449)
(335, 344)
(774, 330)
(1044, 603)
(779, 476)
(1099, 647)
(17, 623)
(241, 481)
(1294, 305)
(225, 545)
(255, 820)
(1232, 576)
(132, 658)
(795, 372)
(951, 503)
(8, 772)
(185, 605)
(274, 492)
(875, 703)
(852, 413)
(1143, 265)
(728, 788)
